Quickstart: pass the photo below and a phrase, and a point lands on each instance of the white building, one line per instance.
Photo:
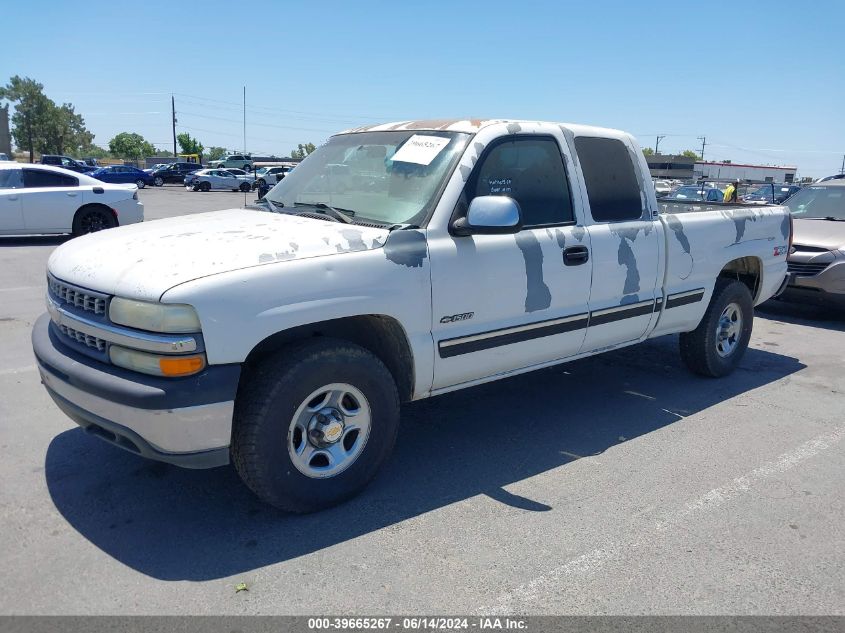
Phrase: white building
(767, 173)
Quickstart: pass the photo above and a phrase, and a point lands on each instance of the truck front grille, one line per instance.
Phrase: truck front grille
(77, 297)
(804, 269)
(86, 339)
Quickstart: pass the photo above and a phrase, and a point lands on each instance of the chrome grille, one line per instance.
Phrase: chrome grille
(804, 269)
(86, 339)
(77, 297)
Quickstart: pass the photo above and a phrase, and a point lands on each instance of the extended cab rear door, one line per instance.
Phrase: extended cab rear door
(625, 238)
(507, 302)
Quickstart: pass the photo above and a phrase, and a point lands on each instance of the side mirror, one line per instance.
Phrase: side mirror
(489, 215)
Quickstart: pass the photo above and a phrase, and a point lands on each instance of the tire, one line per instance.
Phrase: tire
(91, 219)
(141, 184)
(716, 346)
(158, 181)
(272, 412)
(246, 187)
(205, 187)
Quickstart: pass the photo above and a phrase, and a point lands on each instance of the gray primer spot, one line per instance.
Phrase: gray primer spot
(625, 257)
(578, 232)
(294, 246)
(561, 238)
(629, 299)
(740, 219)
(356, 242)
(285, 255)
(537, 294)
(466, 170)
(265, 257)
(678, 229)
(784, 226)
(408, 248)
(513, 128)
(628, 234)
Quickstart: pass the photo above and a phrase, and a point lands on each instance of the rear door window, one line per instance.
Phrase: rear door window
(611, 179)
(10, 179)
(33, 178)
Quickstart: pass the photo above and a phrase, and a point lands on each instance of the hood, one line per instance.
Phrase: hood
(142, 261)
(825, 234)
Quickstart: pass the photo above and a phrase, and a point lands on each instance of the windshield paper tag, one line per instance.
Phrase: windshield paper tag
(421, 149)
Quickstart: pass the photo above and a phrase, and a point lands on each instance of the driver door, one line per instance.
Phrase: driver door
(506, 302)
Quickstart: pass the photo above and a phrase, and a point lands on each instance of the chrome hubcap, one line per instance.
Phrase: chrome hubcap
(329, 430)
(728, 330)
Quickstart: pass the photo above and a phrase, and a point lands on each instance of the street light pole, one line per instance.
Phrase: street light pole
(657, 143)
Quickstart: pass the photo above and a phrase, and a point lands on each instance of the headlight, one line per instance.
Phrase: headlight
(156, 364)
(154, 317)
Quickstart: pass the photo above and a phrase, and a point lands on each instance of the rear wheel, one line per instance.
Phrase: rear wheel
(313, 424)
(717, 345)
(158, 181)
(141, 183)
(205, 186)
(92, 219)
(245, 187)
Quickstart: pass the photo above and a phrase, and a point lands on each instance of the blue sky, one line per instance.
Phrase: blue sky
(763, 81)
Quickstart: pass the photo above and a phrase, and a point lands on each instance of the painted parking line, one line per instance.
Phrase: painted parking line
(515, 600)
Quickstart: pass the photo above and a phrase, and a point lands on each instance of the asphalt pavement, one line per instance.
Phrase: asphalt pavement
(618, 484)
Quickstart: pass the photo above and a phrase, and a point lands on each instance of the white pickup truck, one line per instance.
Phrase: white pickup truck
(397, 262)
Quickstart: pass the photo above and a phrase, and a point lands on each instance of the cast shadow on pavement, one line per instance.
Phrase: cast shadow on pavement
(175, 524)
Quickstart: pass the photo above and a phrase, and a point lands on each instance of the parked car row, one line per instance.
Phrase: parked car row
(761, 193)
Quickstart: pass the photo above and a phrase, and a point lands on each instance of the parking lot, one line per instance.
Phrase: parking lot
(618, 484)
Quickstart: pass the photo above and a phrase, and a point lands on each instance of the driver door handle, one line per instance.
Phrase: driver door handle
(575, 255)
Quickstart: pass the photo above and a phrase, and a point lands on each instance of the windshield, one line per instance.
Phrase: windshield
(689, 192)
(818, 202)
(387, 177)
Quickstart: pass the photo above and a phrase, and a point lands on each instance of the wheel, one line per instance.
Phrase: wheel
(245, 187)
(205, 186)
(260, 182)
(717, 345)
(92, 219)
(141, 184)
(313, 424)
(158, 181)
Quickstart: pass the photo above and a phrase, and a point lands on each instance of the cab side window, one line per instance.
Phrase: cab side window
(531, 171)
(611, 181)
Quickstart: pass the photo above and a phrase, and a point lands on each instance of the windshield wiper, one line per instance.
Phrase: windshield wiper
(342, 215)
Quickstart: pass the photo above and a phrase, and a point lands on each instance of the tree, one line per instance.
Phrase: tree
(690, 154)
(65, 131)
(130, 145)
(215, 153)
(648, 151)
(188, 144)
(93, 151)
(31, 115)
(302, 150)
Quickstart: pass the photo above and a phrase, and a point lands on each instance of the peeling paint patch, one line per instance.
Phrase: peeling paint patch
(513, 128)
(265, 257)
(629, 299)
(578, 232)
(678, 229)
(625, 257)
(407, 248)
(354, 239)
(560, 236)
(784, 226)
(537, 294)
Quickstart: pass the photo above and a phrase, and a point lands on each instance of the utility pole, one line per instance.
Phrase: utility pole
(657, 143)
(244, 120)
(173, 109)
(703, 140)
(842, 169)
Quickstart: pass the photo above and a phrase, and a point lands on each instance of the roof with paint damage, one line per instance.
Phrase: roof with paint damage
(472, 126)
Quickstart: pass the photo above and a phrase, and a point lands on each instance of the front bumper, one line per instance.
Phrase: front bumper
(824, 288)
(183, 421)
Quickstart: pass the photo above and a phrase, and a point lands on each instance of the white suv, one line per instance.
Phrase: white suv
(240, 161)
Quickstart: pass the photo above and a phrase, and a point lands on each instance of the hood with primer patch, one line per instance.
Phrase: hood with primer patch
(142, 261)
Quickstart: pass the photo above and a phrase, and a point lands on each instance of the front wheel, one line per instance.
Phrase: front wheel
(313, 424)
(141, 183)
(158, 181)
(205, 186)
(245, 187)
(717, 345)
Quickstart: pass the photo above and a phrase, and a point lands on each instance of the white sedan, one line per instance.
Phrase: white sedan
(45, 199)
(208, 179)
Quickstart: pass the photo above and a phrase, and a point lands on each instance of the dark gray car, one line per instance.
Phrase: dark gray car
(816, 262)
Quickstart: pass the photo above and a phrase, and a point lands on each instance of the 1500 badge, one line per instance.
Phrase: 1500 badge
(457, 317)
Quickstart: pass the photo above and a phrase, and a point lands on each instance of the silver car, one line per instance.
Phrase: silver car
(208, 179)
(816, 262)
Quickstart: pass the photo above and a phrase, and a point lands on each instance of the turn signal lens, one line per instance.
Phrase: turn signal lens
(156, 364)
(182, 366)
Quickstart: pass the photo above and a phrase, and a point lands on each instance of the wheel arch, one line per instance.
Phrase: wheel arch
(748, 270)
(382, 335)
(95, 205)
